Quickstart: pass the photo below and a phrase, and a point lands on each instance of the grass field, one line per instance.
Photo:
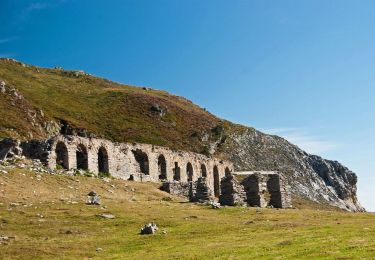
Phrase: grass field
(50, 220)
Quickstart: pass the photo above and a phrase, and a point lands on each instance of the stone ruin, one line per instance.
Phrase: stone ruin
(232, 192)
(194, 176)
(257, 189)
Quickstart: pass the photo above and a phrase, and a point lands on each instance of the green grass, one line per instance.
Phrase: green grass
(74, 231)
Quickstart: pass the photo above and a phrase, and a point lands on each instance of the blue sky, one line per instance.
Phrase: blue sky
(300, 69)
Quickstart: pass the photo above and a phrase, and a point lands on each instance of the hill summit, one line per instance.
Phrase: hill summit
(38, 103)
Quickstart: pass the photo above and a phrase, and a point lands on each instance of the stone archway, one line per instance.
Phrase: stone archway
(216, 182)
(103, 162)
(62, 157)
(162, 167)
(189, 171)
(142, 160)
(82, 157)
(203, 170)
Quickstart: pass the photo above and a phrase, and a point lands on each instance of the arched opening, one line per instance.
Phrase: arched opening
(227, 171)
(62, 158)
(216, 182)
(176, 172)
(203, 170)
(81, 156)
(103, 165)
(142, 160)
(189, 171)
(162, 167)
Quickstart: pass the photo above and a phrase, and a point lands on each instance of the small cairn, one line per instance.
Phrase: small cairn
(93, 198)
(149, 229)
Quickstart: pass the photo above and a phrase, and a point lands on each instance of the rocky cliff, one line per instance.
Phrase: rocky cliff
(310, 176)
(37, 103)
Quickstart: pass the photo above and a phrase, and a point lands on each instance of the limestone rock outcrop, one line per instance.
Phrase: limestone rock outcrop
(309, 176)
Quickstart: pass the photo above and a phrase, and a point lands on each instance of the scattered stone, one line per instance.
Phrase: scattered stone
(99, 249)
(107, 216)
(92, 193)
(3, 171)
(149, 228)
(93, 198)
(167, 199)
(215, 205)
(6, 238)
(157, 109)
(105, 179)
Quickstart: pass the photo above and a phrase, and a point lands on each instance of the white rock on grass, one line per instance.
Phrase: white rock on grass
(149, 229)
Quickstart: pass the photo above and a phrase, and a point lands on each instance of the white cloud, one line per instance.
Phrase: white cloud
(40, 5)
(36, 6)
(304, 140)
(9, 39)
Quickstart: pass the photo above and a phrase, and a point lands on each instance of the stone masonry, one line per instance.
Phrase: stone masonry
(265, 189)
(138, 162)
(232, 192)
(194, 176)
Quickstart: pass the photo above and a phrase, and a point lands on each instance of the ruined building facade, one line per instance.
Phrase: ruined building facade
(192, 175)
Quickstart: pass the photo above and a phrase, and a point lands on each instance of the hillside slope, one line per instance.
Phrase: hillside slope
(45, 216)
(38, 103)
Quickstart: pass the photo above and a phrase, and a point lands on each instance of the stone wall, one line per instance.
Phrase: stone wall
(194, 176)
(232, 192)
(267, 189)
(139, 162)
(257, 189)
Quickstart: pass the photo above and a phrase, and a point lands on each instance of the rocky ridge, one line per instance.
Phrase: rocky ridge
(310, 176)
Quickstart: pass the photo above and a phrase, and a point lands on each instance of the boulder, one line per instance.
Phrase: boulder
(149, 229)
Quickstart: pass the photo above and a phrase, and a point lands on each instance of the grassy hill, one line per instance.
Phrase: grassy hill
(38, 103)
(118, 112)
(49, 219)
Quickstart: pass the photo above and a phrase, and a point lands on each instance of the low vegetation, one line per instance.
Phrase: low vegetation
(107, 109)
(48, 216)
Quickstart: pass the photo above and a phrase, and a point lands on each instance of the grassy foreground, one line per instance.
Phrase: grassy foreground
(50, 220)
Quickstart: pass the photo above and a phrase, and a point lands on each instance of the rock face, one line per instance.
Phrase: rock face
(309, 176)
